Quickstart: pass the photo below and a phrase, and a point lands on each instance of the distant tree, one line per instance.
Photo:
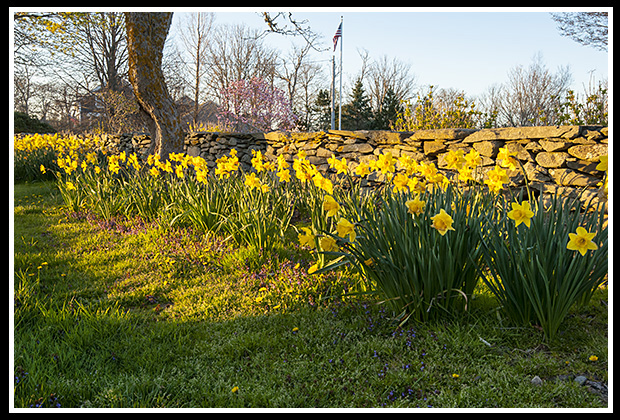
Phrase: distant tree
(587, 28)
(591, 108)
(322, 109)
(256, 105)
(391, 107)
(357, 114)
(441, 109)
(195, 36)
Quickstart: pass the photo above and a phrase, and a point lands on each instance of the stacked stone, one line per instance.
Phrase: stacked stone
(562, 157)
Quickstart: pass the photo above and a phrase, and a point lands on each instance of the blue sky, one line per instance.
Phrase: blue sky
(467, 49)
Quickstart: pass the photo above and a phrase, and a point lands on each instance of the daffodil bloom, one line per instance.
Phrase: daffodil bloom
(42, 168)
(284, 175)
(581, 241)
(339, 165)
(428, 170)
(166, 167)
(252, 181)
(602, 166)
(154, 171)
(201, 176)
(473, 158)
(415, 206)
(306, 239)
(257, 160)
(323, 183)
(442, 222)
(70, 186)
(362, 169)
(506, 160)
(455, 159)
(113, 165)
(496, 178)
(330, 206)
(400, 181)
(235, 389)
(269, 166)
(408, 164)
(328, 244)
(282, 163)
(344, 228)
(521, 213)
(386, 163)
(416, 186)
(179, 171)
(465, 174)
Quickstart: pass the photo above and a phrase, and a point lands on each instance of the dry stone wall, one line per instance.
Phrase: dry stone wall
(563, 157)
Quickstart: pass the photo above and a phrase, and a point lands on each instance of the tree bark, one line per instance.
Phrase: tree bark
(146, 36)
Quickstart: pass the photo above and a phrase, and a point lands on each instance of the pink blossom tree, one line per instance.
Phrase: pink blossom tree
(255, 105)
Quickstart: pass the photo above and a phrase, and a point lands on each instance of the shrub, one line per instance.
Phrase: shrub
(26, 124)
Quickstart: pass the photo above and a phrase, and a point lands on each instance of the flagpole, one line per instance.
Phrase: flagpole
(340, 95)
(333, 91)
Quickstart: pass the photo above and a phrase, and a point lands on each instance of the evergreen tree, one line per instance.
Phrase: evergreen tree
(357, 114)
(322, 109)
(390, 109)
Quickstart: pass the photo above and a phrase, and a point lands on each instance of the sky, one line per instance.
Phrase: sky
(468, 49)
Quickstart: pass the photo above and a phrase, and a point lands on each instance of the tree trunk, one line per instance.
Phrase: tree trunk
(146, 35)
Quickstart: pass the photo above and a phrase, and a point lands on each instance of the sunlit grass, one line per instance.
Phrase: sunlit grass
(127, 314)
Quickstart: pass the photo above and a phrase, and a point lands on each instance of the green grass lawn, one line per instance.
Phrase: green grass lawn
(120, 314)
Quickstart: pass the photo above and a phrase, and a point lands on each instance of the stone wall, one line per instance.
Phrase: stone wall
(553, 157)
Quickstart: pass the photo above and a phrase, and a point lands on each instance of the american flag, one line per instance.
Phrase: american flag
(338, 35)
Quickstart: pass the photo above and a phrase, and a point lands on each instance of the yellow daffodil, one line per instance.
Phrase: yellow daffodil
(70, 186)
(252, 181)
(386, 163)
(442, 222)
(455, 159)
(330, 206)
(339, 165)
(257, 160)
(328, 243)
(602, 166)
(473, 159)
(113, 165)
(496, 178)
(323, 183)
(284, 175)
(400, 181)
(282, 163)
(408, 164)
(581, 241)
(415, 206)
(179, 171)
(521, 213)
(344, 228)
(428, 170)
(362, 169)
(42, 168)
(307, 239)
(506, 160)
(465, 174)
(201, 176)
